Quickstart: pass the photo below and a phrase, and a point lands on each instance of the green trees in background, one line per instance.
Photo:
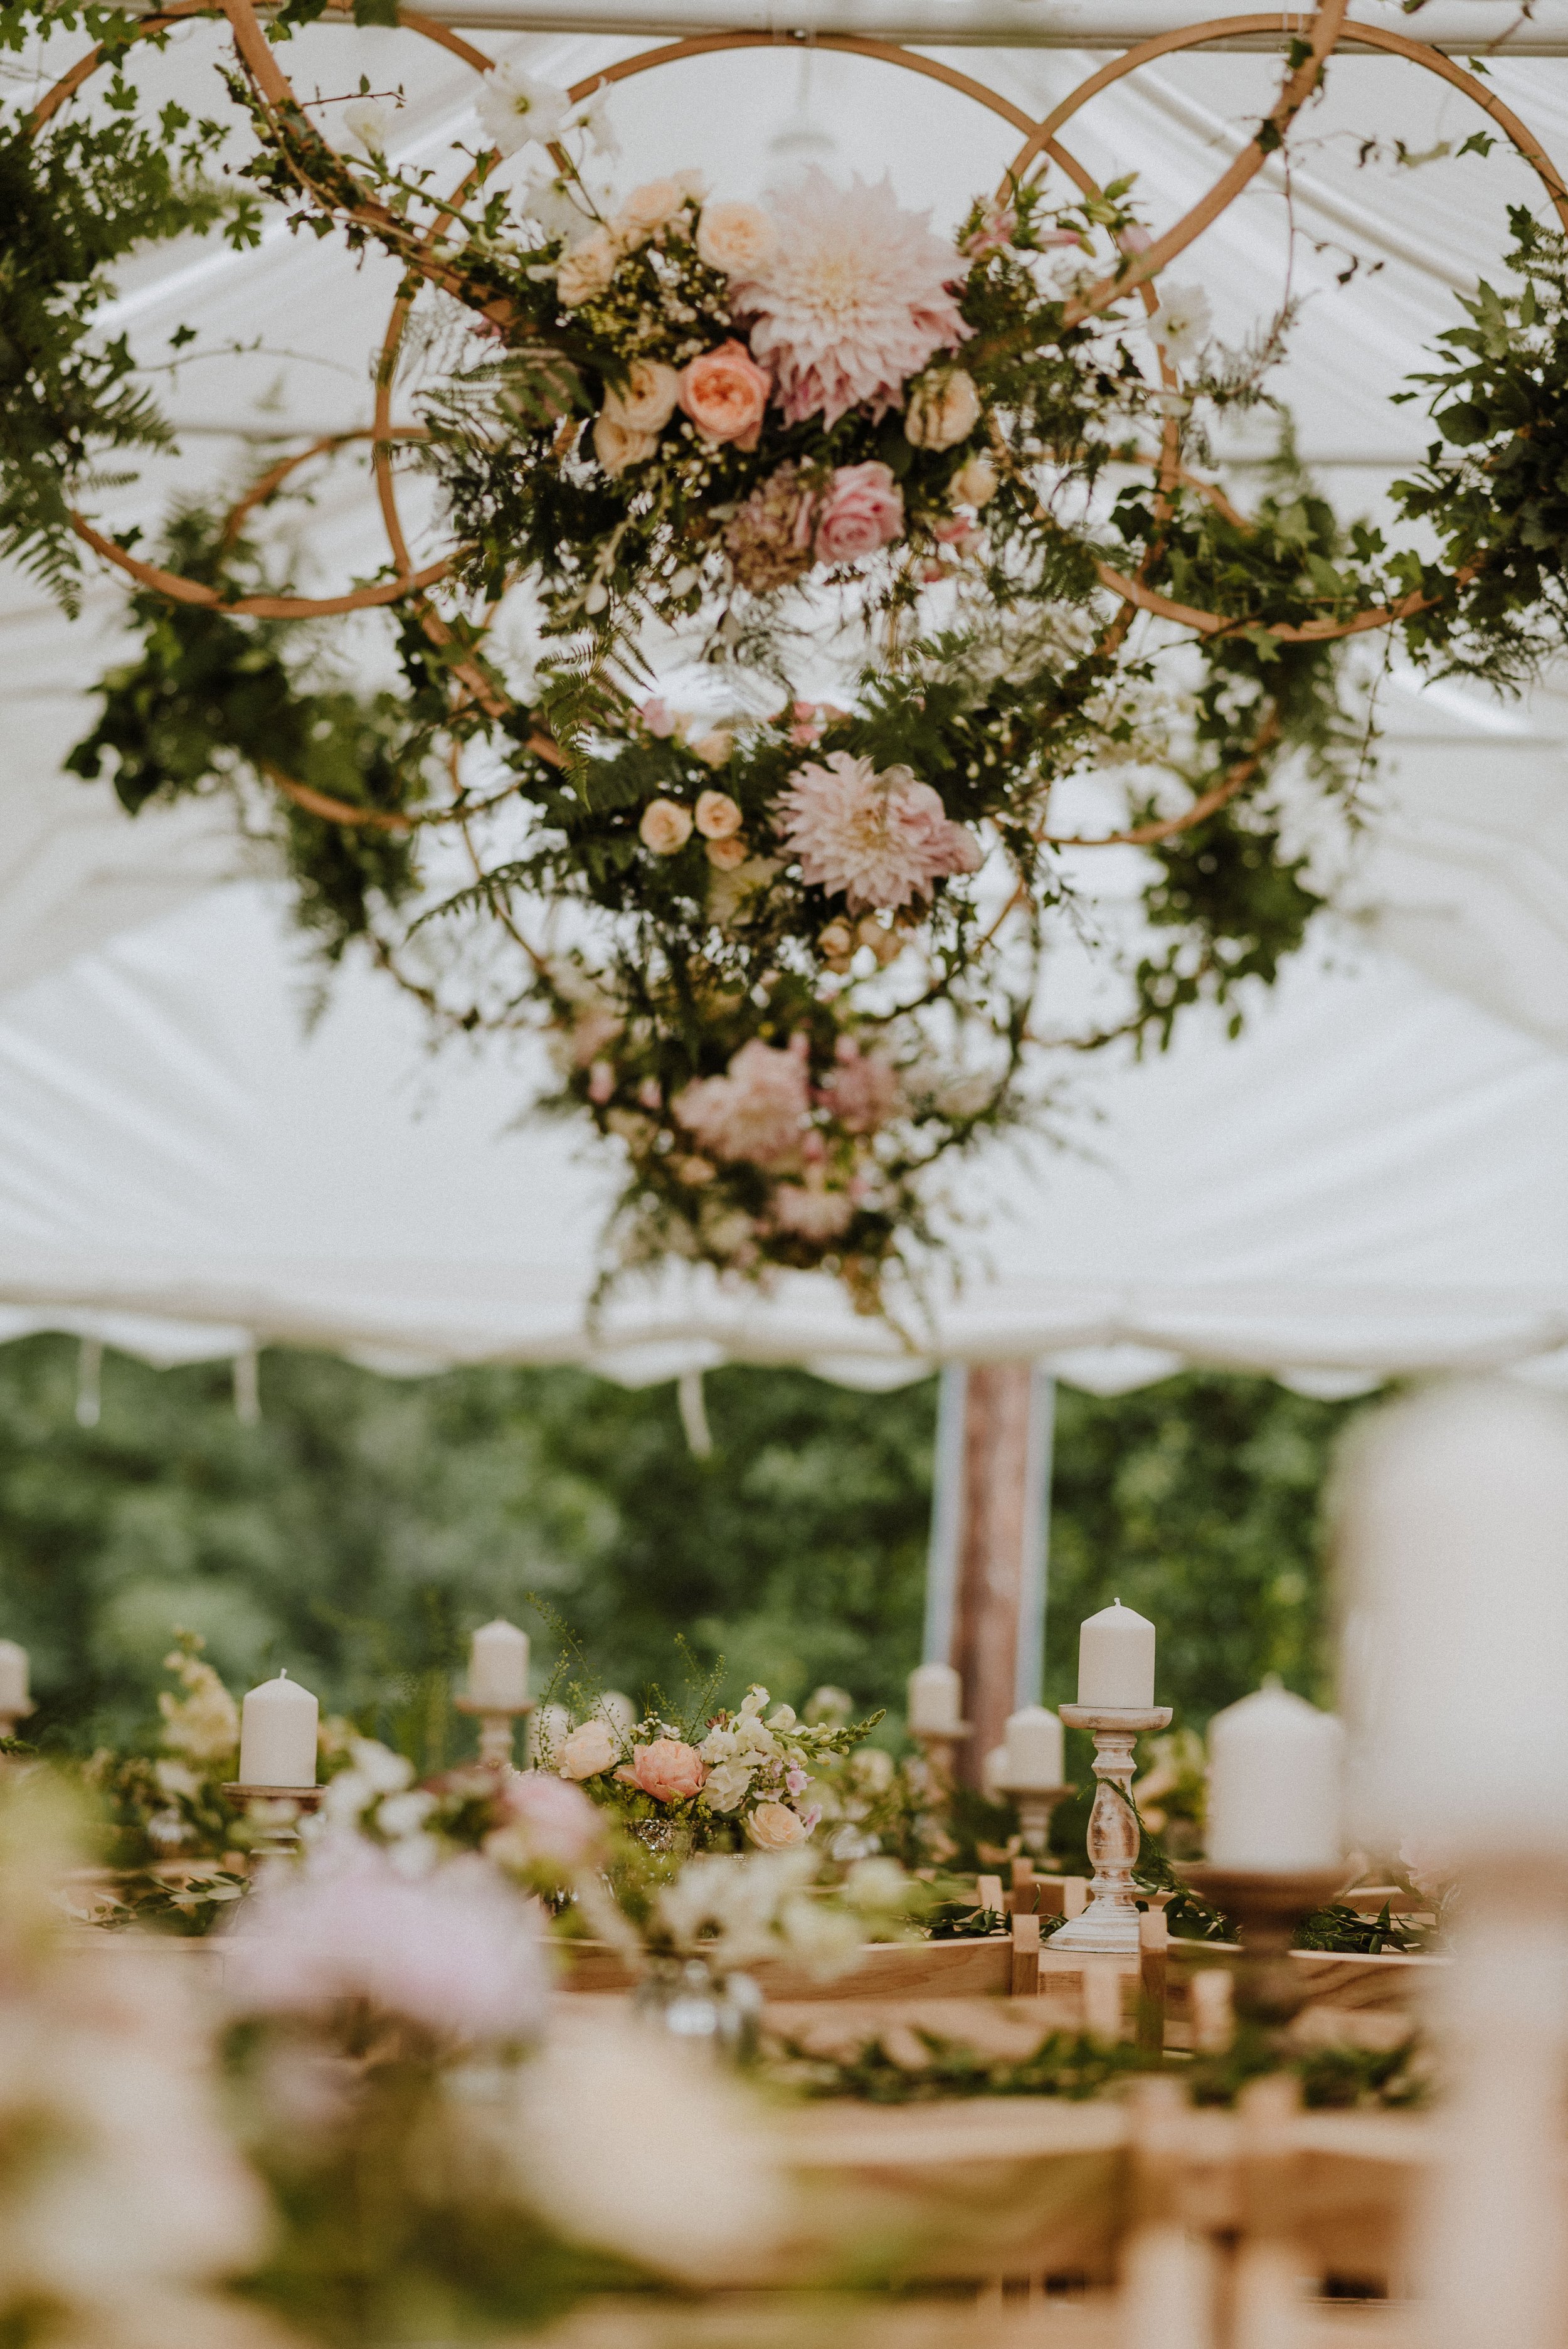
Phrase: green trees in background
(366, 1524)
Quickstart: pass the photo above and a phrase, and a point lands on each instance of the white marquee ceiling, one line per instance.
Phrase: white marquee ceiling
(1370, 1180)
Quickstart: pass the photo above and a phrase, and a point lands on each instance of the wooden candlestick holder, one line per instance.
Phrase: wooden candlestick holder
(280, 1839)
(1033, 1806)
(1110, 1923)
(940, 1747)
(1267, 1904)
(496, 1731)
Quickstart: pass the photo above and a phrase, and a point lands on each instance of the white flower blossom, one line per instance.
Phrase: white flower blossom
(1181, 325)
(727, 1785)
(514, 108)
(369, 124)
(594, 117)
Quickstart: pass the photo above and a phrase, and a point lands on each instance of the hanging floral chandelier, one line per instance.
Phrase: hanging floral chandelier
(787, 945)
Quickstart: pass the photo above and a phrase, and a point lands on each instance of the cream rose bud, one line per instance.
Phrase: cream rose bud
(617, 446)
(588, 271)
(774, 1826)
(974, 483)
(713, 748)
(717, 817)
(646, 400)
(666, 827)
(941, 410)
(726, 855)
(736, 238)
(650, 206)
(588, 1750)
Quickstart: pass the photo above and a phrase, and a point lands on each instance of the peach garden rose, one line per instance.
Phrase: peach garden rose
(666, 827)
(725, 393)
(668, 1770)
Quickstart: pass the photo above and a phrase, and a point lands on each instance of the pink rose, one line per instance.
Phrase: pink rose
(863, 510)
(725, 393)
(667, 1770)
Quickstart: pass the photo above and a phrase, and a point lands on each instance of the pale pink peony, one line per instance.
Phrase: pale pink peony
(852, 301)
(457, 1951)
(863, 1090)
(755, 1112)
(668, 1770)
(878, 839)
(725, 393)
(557, 1822)
(864, 509)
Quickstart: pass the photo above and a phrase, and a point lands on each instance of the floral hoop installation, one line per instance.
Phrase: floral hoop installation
(925, 515)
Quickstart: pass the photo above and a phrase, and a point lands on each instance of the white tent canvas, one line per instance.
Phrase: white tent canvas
(1366, 1181)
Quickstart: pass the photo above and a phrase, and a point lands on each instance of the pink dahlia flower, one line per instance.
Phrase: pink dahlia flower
(755, 1112)
(853, 299)
(876, 838)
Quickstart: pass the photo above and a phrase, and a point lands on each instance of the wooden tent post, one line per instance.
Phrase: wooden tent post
(985, 1592)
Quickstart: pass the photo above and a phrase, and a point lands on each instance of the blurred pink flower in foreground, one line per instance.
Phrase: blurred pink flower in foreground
(878, 839)
(556, 1819)
(455, 1949)
(755, 1112)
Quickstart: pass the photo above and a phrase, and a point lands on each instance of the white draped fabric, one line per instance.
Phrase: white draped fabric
(1368, 1181)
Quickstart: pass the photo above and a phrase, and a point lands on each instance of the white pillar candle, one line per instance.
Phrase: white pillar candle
(935, 1698)
(498, 1666)
(1453, 1543)
(1275, 1784)
(277, 1735)
(14, 1696)
(1034, 1748)
(1115, 1660)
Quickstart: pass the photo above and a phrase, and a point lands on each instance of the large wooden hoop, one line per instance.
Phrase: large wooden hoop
(1329, 28)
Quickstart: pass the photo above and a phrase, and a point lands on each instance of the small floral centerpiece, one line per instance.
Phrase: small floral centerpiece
(737, 1780)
